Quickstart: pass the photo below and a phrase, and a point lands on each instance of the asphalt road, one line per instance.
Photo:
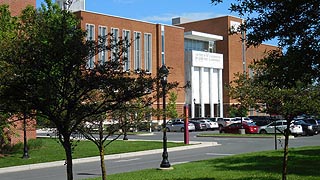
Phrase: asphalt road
(228, 146)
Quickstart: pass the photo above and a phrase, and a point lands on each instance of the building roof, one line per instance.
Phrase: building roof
(130, 19)
(202, 36)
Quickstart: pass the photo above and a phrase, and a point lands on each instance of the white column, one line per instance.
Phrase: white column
(220, 93)
(202, 91)
(192, 92)
(211, 92)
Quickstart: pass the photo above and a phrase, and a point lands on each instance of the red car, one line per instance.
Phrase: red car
(250, 128)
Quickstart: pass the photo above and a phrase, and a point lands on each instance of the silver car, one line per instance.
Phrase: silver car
(179, 126)
(280, 125)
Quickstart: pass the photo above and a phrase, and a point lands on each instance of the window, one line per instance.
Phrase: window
(148, 52)
(114, 41)
(137, 51)
(126, 54)
(103, 43)
(90, 37)
(191, 44)
(212, 47)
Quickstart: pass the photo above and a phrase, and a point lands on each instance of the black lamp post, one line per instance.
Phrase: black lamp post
(25, 146)
(163, 72)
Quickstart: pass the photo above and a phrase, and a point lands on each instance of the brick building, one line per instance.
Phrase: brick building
(16, 132)
(236, 57)
(157, 44)
(17, 129)
(16, 6)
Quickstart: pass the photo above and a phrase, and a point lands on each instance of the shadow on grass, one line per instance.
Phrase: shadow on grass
(300, 162)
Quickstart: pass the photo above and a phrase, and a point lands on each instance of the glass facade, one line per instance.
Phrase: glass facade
(207, 46)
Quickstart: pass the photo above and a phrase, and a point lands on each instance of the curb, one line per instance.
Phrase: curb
(97, 158)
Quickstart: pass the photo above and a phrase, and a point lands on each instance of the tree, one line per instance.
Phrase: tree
(241, 94)
(4, 133)
(288, 102)
(14, 100)
(284, 80)
(90, 128)
(54, 53)
(295, 24)
(7, 26)
(126, 115)
(172, 107)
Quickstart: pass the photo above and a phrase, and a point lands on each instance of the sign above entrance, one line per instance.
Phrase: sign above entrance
(206, 59)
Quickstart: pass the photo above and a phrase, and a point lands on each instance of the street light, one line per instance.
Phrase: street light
(25, 140)
(163, 72)
(25, 146)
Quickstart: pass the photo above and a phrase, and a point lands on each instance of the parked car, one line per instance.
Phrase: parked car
(280, 126)
(215, 119)
(250, 128)
(179, 126)
(314, 123)
(175, 120)
(261, 120)
(307, 128)
(210, 124)
(244, 119)
(199, 126)
(225, 122)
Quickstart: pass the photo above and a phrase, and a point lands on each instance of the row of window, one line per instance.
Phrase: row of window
(126, 55)
(207, 46)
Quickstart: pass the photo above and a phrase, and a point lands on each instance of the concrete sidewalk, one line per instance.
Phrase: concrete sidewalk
(193, 145)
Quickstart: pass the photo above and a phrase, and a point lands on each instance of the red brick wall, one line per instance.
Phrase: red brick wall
(16, 130)
(16, 6)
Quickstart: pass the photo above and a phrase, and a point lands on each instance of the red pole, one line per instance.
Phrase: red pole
(186, 122)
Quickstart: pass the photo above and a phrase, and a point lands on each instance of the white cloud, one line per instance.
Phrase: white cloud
(166, 18)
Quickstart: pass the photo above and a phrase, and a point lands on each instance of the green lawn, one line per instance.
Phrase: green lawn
(304, 164)
(46, 150)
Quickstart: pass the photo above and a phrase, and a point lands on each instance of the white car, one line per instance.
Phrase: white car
(244, 119)
(281, 125)
(179, 126)
(210, 124)
(223, 122)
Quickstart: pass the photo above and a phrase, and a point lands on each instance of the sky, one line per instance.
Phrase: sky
(161, 11)
(158, 11)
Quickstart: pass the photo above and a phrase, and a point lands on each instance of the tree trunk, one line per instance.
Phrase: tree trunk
(101, 151)
(102, 164)
(68, 151)
(286, 151)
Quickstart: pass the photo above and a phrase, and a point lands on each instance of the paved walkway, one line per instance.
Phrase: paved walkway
(97, 158)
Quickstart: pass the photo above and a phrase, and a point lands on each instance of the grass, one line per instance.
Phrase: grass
(303, 164)
(48, 150)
